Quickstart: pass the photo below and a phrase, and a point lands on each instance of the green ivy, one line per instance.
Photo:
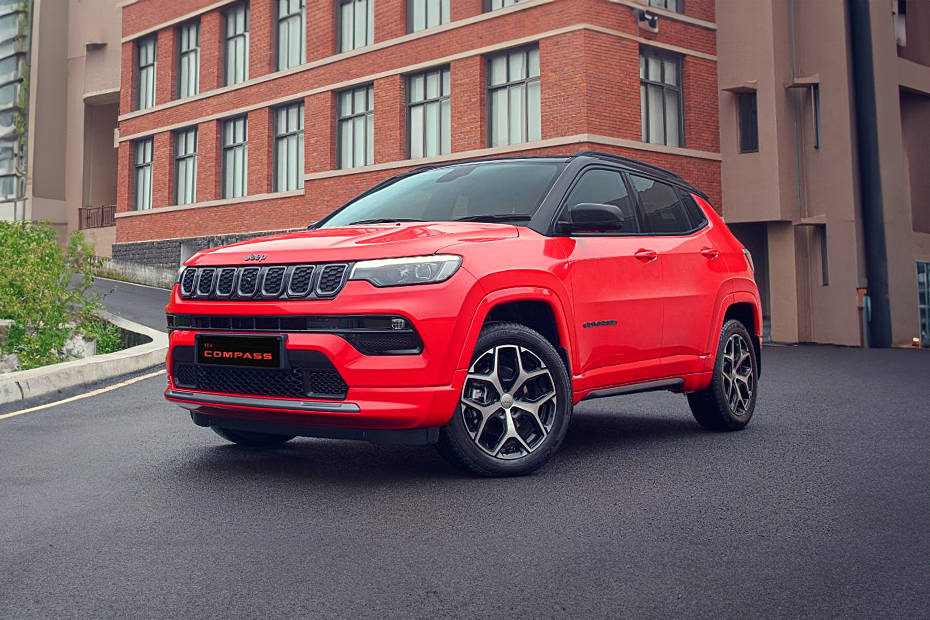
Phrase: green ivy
(42, 296)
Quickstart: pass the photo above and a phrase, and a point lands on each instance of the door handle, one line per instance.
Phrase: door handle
(646, 255)
(710, 253)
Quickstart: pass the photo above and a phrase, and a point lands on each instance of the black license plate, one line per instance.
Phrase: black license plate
(253, 351)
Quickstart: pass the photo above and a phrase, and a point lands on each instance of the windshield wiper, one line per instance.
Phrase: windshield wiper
(494, 217)
(386, 220)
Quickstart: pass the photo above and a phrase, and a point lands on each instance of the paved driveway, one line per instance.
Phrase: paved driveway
(117, 506)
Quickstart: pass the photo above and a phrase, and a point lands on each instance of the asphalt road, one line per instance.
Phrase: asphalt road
(141, 304)
(117, 506)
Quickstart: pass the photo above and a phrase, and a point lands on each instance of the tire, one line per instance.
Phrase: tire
(728, 402)
(515, 432)
(251, 440)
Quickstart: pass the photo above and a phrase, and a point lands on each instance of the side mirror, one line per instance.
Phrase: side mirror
(592, 216)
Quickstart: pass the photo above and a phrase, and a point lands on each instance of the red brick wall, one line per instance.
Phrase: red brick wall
(589, 84)
(212, 61)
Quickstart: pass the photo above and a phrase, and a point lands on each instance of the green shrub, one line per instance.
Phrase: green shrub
(46, 290)
(107, 335)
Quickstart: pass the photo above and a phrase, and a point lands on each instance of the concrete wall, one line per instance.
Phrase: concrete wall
(45, 181)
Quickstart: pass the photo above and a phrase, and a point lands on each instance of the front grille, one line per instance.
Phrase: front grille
(331, 279)
(226, 282)
(317, 379)
(266, 282)
(205, 282)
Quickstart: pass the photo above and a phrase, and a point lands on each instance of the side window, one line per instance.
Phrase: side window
(662, 210)
(695, 214)
(603, 187)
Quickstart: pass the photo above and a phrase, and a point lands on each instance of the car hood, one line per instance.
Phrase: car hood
(352, 243)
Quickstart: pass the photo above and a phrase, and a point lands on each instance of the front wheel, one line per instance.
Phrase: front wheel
(728, 402)
(515, 405)
(251, 439)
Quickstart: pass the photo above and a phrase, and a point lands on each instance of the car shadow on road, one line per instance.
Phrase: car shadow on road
(590, 437)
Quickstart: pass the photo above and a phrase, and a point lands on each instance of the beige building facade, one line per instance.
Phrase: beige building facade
(826, 163)
(72, 90)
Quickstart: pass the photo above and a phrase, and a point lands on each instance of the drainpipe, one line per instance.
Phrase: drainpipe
(873, 223)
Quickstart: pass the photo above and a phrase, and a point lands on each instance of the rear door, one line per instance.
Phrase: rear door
(615, 283)
(693, 271)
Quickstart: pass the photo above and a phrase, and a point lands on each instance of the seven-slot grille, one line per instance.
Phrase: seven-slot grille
(266, 282)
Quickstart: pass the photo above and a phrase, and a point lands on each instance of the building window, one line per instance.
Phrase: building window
(291, 47)
(143, 174)
(513, 93)
(185, 166)
(748, 122)
(492, 5)
(235, 157)
(670, 5)
(660, 97)
(923, 300)
(237, 43)
(430, 119)
(289, 147)
(356, 24)
(189, 59)
(145, 82)
(356, 127)
(423, 14)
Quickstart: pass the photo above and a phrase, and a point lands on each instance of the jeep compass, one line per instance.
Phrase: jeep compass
(472, 305)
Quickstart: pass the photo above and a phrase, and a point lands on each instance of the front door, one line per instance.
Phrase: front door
(616, 287)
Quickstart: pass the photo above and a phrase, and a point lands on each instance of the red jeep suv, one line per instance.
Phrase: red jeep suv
(472, 305)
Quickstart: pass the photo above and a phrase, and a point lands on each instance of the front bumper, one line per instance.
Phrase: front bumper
(384, 392)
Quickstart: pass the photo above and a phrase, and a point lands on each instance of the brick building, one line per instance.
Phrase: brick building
(240, 117)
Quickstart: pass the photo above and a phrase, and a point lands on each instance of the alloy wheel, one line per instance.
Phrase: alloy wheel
(738, 374)
(509, 402)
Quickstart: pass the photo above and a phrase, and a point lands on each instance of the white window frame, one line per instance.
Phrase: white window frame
(666, 88)
(185, 166)
(356, 24)
(236, 44)
(289, 147)
(519, 92)
(146, 56)
(428, 106)
(425, 14)
(493, 5)
(188, 59)
(356, 114)
(291, 24)
(142, 174)
(236, 157)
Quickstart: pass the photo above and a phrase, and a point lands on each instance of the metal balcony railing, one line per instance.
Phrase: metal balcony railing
(97, 217)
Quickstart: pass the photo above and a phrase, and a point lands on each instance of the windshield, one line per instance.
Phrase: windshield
(489, 191)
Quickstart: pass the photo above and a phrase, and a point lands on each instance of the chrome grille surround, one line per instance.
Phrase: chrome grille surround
(251, 282)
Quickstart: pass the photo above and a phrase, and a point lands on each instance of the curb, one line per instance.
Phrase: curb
(23, 384)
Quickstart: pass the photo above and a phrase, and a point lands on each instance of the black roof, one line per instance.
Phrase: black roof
(634, 165)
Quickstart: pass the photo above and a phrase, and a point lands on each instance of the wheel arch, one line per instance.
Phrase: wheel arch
(745, 308)
(538, 308)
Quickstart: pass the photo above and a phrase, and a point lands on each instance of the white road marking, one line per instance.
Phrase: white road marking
(157, 288)
(102, 390)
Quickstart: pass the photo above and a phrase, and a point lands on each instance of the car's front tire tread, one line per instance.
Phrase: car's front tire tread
(457, 446)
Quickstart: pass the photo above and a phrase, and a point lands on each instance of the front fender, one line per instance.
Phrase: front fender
(560, 310)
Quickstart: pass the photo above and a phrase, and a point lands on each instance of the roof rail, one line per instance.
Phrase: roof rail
(632, 163)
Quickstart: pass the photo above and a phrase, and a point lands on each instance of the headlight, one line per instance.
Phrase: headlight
(404, 271)
(177, 279)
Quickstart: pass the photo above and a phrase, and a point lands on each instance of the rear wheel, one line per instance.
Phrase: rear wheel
(728, 402)
(250, 439)
(515, 405)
